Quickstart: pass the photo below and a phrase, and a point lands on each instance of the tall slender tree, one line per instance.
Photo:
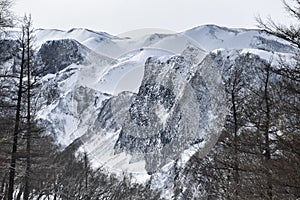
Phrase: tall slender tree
(29, 32)
(12, 168)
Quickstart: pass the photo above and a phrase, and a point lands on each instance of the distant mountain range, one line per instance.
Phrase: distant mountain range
(142, 104)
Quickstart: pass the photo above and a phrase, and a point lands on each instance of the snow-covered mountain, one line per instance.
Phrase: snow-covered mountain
(143, 104)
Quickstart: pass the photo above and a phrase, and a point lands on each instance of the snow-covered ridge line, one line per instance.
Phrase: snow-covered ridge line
(209, 37)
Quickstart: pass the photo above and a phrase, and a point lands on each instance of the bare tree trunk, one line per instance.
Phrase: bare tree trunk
(86, 171)
(267, 149)
(235, 86)
(236, 156)
(12, 169)
(28, 133)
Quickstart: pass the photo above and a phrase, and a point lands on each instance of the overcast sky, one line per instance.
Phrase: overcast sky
(118, 16)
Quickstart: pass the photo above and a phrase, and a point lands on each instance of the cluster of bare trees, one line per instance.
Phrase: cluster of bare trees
(32, 165)
(258, 153)
(19, 133)
(16, 101)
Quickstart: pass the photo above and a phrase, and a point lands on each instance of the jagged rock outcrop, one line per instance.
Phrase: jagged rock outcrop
(58, 54)
(180, 106)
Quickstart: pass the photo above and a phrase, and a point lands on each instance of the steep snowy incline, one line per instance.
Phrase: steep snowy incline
(127, 73)
(211, 37)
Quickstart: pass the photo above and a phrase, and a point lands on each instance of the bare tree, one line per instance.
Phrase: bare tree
(12, 168)
(287, 32)
(29, 32)
(286, 167)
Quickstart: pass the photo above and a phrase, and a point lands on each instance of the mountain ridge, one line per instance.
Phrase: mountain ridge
(137, 99)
